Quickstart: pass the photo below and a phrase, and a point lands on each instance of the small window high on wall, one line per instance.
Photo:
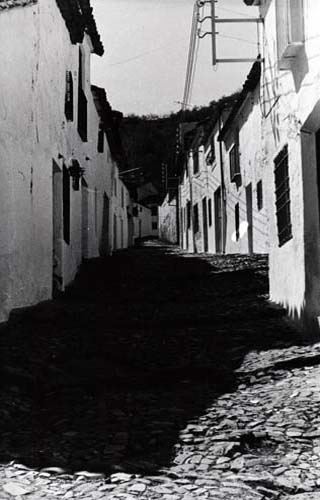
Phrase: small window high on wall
(68, 104)
(281, 173)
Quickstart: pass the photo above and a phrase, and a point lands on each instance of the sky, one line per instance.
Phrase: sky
(146, 49)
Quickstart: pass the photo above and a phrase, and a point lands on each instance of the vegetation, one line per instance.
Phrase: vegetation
(150, 141)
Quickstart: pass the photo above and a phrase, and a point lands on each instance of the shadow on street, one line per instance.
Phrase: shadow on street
(105, 377)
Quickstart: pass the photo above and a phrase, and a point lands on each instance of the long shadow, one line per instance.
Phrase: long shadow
(105, 377)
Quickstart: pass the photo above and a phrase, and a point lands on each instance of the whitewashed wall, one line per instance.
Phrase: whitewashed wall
(168, 219)
(142, 222)
(248, 123)
(290, 100)
(34, 134)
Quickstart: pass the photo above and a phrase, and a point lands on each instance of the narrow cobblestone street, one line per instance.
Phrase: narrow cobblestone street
(160, 375)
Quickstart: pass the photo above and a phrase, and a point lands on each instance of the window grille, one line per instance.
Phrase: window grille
(282, 193)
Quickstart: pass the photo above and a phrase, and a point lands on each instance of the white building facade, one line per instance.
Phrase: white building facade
(291, 154)
(56, 164)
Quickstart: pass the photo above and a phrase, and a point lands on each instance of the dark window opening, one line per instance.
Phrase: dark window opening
(235, 174)
(82, 102)
(237, 221)
(282, 192)
(195, 155)
(196, 218)
(100, 140)
(154, 226)
(188, 214)
(66, 204)
(210, 211)
(154, 211)
(259, 195)
(212, 154)
(68, 104)
(122, 197)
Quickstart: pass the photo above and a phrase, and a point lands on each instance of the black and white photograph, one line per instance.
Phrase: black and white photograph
(160, 249)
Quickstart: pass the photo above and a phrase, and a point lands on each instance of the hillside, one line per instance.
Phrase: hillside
(149, 141)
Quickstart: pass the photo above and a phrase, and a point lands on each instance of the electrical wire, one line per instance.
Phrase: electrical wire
(191, 56)
(146, 53)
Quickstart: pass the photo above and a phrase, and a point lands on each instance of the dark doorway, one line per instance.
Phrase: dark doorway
(57, 229)
(249, 217)
(205, 224)
(104, 242)
(85, 219)
(218, 219)
(318, 166)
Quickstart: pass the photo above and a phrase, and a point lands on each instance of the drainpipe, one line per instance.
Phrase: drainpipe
(223, 192)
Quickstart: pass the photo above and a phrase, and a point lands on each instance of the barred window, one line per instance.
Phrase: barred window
(282, 193)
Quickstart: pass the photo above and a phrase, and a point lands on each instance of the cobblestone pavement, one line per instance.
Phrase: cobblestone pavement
(159, 375)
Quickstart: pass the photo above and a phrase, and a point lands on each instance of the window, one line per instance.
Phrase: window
(212, 153)
(82, 101)
(154, 210)
(281, 173)
(237, 220)
(290, 30)
(66, 204)
(100, 140)
(196, 218)
(195, 155)
(122, 197)
(154, 226)
(235, 174)
(259, 195)
(210, 211)
(68, 103)
(188, 214)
